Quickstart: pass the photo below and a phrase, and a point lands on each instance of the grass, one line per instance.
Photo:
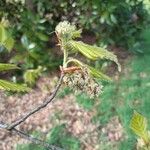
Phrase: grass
(130, 92)
(84, 101)
(58, 136)
(120, 98)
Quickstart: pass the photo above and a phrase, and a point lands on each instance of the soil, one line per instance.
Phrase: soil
(77, 120)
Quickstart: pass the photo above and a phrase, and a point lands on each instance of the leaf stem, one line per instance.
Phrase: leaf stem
(65, 58)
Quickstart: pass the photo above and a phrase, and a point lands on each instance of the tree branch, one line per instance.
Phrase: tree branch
(36, 109)
(30, 138)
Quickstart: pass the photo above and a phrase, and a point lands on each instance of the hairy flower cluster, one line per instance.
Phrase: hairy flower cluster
(81, 81)
(66, 30)
(65, 27)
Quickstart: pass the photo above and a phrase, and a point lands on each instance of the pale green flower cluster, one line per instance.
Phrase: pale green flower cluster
(67, 31)
(65, 27)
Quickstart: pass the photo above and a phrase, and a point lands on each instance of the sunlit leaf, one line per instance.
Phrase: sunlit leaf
(94, 72)
(9, 43)
(32, 45)
(42, 36)
(139, 126)
(113, 18)
(93, 52)
(4, 67)
(10, 86)
(97, 74)
(24, 41)
(5, 39)
(31, 75)
(18, 58)
(3, 34)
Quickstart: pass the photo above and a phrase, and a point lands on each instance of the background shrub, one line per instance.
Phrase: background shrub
(32, 22)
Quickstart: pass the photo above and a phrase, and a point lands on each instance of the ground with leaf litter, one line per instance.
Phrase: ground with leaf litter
(61, 111)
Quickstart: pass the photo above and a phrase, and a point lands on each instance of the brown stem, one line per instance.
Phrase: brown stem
(30, 138)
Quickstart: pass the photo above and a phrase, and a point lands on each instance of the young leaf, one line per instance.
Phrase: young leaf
(9, 43)
(98, 74)
(4, 67)
(95, 73)
(10, 86)
(139, 126)
(5, 39)
(31, 75)
(3, 34)
(42, 36)
(93, 52)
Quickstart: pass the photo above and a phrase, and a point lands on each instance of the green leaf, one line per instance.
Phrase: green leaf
(5, 39)
(4, 67)
(76, 34)
(98, 74)
(9, 43)
(113, 18)
(3, 34)
(18, 58)
(93, 52)
(139, 126)
(25, 41)
(42, 36)
(94, 72)
(10, 86)
(31, 75)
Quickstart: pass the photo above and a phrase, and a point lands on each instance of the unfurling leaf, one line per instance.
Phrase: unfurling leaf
(31, 75)
(4, 67)
(94, 72)
(139, 126)
(10, 86)
(93, 52)
(98, 74)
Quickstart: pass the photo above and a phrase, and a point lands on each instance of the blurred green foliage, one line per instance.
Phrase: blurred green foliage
(58, 136)
(130, 93)
(116, 21)
(64, 92)
(84, 101)
(33, 21)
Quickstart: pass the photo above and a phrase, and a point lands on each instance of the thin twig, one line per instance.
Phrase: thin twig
(30, 138)
(11, 127)
(36, 109)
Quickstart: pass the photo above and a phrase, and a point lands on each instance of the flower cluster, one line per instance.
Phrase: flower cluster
(81, 81)
(65, 27)
(66, 30)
